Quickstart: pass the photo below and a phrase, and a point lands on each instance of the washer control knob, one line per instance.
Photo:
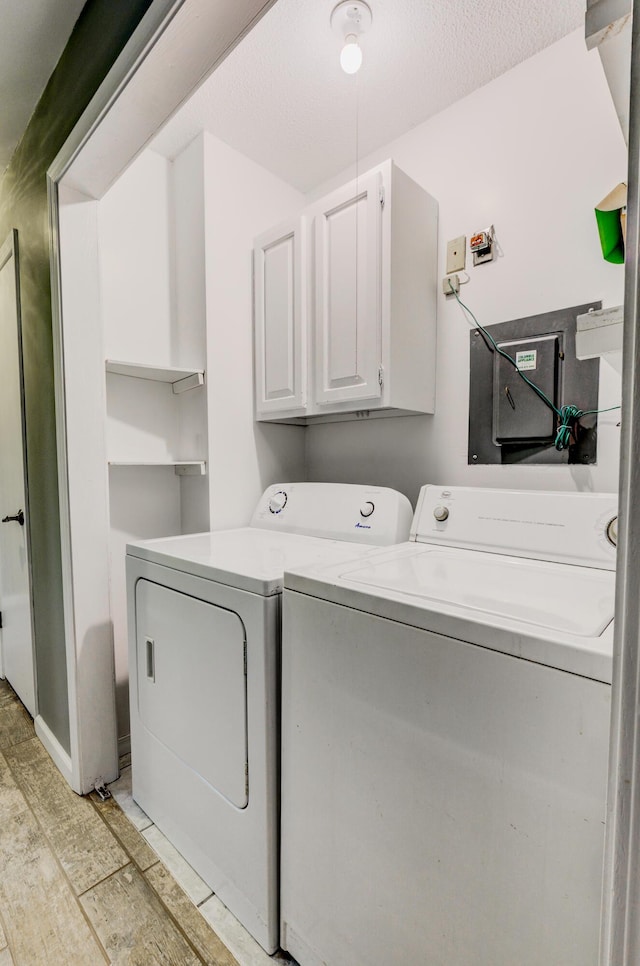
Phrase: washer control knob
(367, 509)
(441, 513)
(612, 531)
(278, 502)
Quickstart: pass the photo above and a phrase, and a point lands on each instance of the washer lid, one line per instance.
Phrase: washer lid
(246, 558)
(574, 600)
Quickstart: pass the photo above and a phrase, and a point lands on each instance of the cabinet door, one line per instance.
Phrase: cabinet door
(280, 319)
(348, 293)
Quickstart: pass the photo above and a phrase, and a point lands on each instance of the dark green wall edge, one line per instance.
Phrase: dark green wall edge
(99, 35)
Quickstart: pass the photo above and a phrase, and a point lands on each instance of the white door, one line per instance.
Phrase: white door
(348, 293)
(15, 582)
(280, 318)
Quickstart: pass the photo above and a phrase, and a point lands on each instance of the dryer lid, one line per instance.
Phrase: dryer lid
(574, 600)
(248, 559)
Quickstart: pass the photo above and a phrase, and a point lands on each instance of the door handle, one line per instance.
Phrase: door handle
(18, 518)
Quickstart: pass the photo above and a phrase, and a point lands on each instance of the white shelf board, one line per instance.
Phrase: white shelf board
(181, 379)
(181, 467)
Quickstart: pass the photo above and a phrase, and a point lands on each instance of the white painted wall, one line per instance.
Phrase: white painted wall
(241, 201)
(532, 153)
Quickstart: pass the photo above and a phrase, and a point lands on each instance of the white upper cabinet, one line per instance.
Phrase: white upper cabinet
(371, 272)
(280, 319)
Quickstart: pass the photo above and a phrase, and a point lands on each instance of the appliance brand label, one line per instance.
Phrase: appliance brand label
(527, 360)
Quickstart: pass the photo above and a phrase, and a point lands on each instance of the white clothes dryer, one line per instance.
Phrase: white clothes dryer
(204, 664)
(445, 729)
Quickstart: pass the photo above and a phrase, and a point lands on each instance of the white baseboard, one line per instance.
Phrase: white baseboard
(61, 759)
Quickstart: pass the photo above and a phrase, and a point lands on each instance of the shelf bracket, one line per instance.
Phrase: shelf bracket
(189, 382)
(191, 469)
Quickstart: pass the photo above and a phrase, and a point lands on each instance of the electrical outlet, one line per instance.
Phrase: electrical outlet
(456, 254)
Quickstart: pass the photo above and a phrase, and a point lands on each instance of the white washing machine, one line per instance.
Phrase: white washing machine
(204, 663)
(445, 727)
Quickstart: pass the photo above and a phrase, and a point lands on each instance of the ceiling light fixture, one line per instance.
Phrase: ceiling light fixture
(349, 20)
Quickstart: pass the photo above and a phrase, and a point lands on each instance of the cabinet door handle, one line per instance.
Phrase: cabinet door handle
(16, 518)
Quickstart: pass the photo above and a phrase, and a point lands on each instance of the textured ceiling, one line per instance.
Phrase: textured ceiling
(33, 34)
(281, 98)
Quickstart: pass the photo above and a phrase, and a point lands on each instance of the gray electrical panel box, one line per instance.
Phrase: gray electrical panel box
(520, 415)
(508, 420)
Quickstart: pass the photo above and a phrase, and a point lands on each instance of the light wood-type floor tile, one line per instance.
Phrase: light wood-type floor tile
(132, 924)
(201, 935)
(12, 801)
(15, 722)
(129, 837)
(43, 923)
(85, 847)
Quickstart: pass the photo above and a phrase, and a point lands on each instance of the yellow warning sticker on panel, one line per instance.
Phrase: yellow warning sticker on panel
(527, 360)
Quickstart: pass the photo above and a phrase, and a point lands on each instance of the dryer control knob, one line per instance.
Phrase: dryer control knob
(278, 502)
(612, 531)
(441, 513)
(367, 509)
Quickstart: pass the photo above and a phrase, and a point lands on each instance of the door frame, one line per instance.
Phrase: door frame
(97, 151)
(10, 250)
(620, 937)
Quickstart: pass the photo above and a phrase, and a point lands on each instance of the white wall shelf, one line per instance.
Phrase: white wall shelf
(181, 379)
(181, 467)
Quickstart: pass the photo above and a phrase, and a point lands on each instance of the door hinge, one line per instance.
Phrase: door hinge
(381, 196)
(381, 376)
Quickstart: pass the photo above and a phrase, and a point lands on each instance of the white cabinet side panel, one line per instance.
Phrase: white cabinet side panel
(136, 264)
(93, 724)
